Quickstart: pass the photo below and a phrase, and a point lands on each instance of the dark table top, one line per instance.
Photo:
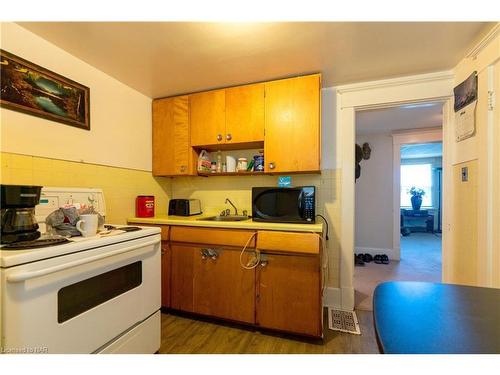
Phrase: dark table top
(430, 318)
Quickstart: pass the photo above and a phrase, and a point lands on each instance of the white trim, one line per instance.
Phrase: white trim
(392, 82)
(398, 139)
(490, 147)
(396, 91)
(391, 253)
(488, 38)
(339, 298)
(346, 116)
(407, 90)
(332, 298)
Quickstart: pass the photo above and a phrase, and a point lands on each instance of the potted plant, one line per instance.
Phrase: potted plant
(416, 197)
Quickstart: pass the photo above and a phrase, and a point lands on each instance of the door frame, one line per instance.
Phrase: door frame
(430, 87)
(426, 135)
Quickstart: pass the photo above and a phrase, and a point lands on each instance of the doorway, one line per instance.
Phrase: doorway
(401, 155)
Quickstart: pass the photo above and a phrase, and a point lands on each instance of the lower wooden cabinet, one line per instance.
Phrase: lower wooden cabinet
(222, 288)
(166, 262)
(181, 277)
(282, 293)
(289, 294)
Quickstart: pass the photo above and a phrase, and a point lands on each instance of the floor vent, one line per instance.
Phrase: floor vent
(343, 321)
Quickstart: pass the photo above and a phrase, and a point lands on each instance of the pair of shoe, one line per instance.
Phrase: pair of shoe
(361, 259)
(381, 259)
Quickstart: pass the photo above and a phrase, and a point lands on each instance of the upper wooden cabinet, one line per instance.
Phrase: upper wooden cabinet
(172, 152)
(282, 116)
(292, 127)
(245, 114)
(208, 118)
(225, 117)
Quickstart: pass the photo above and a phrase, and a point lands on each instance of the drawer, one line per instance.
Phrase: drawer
(212, 236)
(288, 242)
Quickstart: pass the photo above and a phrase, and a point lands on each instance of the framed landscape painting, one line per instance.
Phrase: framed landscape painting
(29, 88)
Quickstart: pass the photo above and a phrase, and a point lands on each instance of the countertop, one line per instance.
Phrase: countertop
(246, 224)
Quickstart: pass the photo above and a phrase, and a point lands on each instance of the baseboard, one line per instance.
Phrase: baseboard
(332, 298)
(393, 254)
(339, 298)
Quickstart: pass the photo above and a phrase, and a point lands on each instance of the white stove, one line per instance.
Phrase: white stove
(92, 295)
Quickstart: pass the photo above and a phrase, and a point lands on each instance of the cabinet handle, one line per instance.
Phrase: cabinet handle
(208, 252)
(272, 166)
(203, 253)
(229, 137)
(219, 137)
(183, 168)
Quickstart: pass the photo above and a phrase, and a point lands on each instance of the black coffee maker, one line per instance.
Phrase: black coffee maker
(18, 213)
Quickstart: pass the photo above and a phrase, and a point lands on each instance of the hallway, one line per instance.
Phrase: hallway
(420, 261)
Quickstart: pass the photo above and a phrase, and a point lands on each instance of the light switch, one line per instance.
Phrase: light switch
(465, 174)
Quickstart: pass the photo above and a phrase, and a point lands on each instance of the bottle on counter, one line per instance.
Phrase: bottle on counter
(213, 167)
(219, 162)
(259, 162)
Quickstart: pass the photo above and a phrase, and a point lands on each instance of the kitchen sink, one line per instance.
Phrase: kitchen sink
(225, 218)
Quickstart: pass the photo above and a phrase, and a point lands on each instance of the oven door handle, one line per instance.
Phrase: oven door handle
(23, 276)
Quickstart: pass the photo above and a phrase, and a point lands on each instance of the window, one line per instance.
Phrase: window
(420, 176)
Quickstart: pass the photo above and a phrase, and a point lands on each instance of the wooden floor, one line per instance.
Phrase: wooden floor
(188, 335)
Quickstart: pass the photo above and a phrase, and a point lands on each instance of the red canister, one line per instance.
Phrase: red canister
(145, 206)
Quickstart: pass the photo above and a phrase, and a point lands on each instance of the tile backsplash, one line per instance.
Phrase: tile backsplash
(120, 185)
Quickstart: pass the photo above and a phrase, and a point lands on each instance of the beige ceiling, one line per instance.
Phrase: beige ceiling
(168, 58)
(405, 117)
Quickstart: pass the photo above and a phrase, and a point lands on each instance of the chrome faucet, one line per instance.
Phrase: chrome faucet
(231, 203)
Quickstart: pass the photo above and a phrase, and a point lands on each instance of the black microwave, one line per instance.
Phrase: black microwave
(284, 205)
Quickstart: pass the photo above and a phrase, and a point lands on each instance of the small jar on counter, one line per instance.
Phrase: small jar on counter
(242, 164)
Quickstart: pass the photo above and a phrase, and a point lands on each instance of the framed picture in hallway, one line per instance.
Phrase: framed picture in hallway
(32, 89)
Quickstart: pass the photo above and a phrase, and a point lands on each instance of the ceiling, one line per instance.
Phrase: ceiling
(167, 58)
(406, 117)
(422, 150)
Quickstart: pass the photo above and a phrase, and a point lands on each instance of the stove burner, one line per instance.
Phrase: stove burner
(35, 244)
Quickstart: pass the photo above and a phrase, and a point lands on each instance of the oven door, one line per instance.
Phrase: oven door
(79, 302)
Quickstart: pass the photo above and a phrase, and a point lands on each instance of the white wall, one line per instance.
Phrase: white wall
(373, 215)
(120, 117)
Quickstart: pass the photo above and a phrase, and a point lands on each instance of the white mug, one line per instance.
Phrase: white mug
(230, 163)
(89, 223)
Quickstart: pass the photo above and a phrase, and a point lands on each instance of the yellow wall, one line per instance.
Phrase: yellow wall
(476, 263)
(120, 185)
(212, 191)
(120, 117)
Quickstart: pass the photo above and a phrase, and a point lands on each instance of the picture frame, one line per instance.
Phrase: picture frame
(31, 89)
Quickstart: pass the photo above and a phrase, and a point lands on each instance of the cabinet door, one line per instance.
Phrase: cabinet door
(292, 125)
(166, 262)
(288, 294)
(181, 281)
(245, 114)
(172, 152)
(222, 288)
(207, 118)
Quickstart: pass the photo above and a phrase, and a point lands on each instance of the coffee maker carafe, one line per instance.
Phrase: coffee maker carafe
(18, 213)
